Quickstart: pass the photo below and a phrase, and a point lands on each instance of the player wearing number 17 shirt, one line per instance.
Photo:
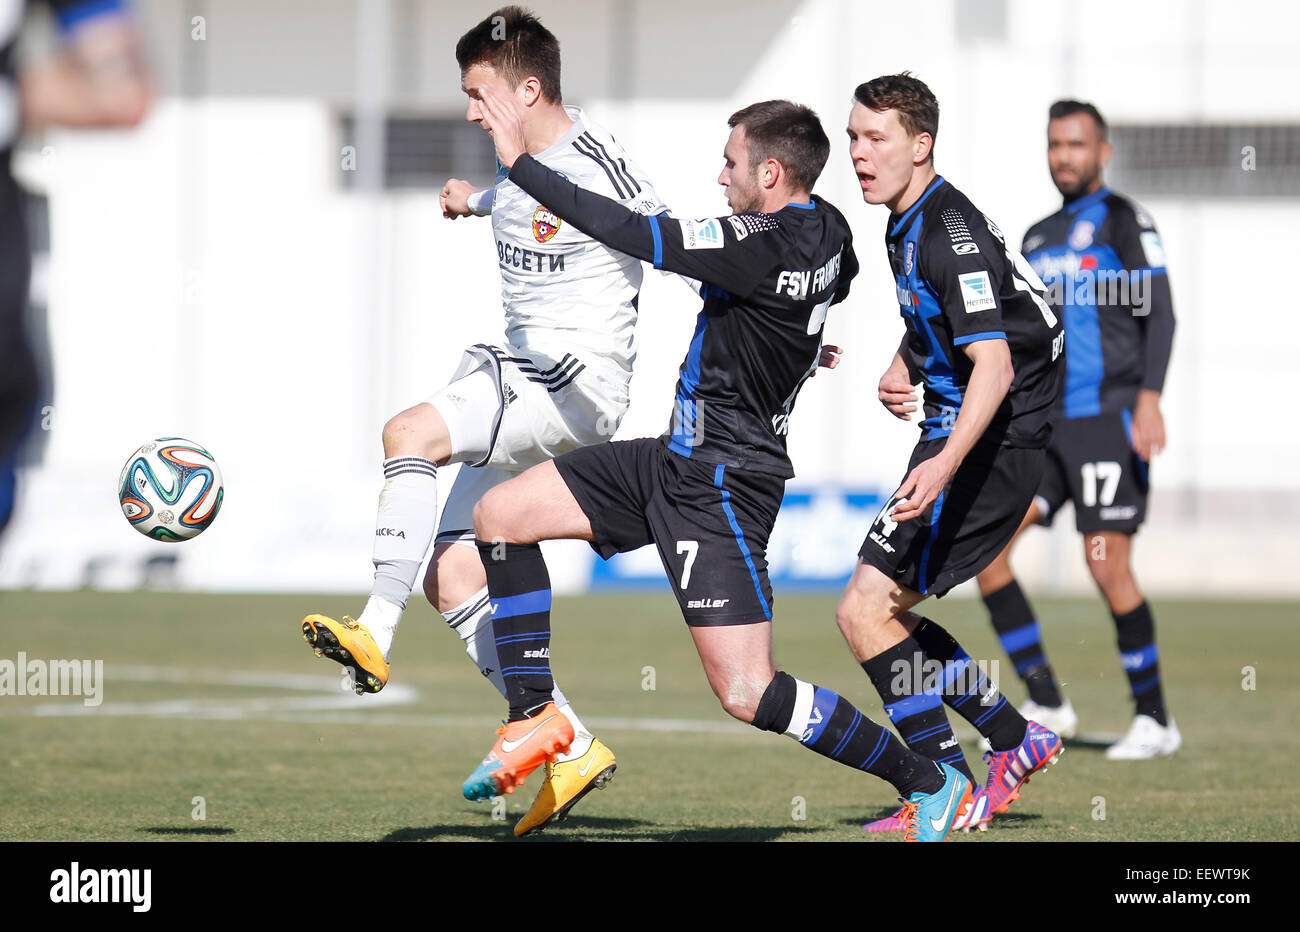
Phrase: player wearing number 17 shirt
(985, 343)
(1103, 259)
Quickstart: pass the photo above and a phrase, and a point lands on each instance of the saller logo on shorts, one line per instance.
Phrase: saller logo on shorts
(707, 603)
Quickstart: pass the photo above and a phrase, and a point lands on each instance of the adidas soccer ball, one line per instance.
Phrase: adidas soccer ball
(170, 489)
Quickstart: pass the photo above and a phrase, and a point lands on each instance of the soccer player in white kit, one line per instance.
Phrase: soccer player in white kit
(559, 382)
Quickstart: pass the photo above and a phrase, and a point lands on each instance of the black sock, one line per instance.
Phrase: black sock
(1135, 633)
(901, 680)
(520, 591)
(971, 694)
(1013, 620)
(831, 726)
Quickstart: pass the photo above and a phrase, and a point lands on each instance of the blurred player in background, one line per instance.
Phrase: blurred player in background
(985, 343)
(1103, 261)
(559, 382)
(96, 78)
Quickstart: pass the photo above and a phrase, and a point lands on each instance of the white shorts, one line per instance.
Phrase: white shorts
(506, 412)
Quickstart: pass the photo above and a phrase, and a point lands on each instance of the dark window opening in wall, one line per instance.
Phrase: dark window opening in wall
(423, 152)
(1206, 160)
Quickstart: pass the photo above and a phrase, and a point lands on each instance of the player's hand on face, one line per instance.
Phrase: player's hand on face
(454, 198)
(897, 393)
(1148, 425)
(501, 118)
(829, 358)
(922, 486)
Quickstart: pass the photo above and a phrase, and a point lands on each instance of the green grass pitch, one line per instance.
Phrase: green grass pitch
(218, 697)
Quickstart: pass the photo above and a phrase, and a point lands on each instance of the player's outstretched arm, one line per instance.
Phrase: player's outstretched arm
(98, 78)
(989, 382)
(459, 198)
(670, 245)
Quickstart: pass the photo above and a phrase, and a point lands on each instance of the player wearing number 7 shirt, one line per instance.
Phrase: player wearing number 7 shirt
(985, 343)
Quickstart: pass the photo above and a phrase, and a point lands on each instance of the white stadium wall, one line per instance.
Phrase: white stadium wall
(212, 278)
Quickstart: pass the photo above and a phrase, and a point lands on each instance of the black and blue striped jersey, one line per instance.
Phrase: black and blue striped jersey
(1104, 267)
(767, 282)
(959, 283)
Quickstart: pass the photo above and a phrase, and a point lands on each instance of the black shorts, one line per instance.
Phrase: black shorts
(710, 523)
(1091, 462)
(966, 526)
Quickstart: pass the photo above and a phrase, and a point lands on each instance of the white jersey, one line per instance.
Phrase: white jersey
(563, 292)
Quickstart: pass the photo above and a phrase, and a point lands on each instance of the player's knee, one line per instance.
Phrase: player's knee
(455, 582)
(400, 434)
(1109, 574)
(431, 587)
(739, 706)
(416, 432)
(849, 613)
(741, 691)
(489, 515)
(995, 576)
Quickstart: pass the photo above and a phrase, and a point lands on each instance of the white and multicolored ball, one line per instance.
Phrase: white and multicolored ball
(170, 489)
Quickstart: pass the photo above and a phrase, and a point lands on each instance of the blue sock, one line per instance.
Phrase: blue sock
(1135, 633)
(825, 722)
(970, 693)
(915, 711)
(1013, 620)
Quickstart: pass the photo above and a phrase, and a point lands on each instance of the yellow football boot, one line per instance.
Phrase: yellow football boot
(567, 782)
(350, 644)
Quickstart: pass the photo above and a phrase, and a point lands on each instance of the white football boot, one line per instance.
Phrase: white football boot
(1060, 719)
(1146, 739)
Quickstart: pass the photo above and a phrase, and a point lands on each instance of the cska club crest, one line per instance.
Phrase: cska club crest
(545, 225)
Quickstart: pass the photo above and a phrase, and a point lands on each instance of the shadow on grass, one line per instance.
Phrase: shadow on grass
(579, 828)
(1011, 817)
(187, 830)
(1097, 742)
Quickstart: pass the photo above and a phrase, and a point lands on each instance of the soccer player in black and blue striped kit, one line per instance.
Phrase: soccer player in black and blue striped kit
(1104, 264)
(981, 337)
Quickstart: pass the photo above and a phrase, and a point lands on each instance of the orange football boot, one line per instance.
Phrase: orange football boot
(521, 748)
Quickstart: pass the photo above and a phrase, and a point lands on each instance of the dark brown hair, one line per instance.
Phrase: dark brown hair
(516, 45)
(1065, 108)
(918, 108)
(788, 132)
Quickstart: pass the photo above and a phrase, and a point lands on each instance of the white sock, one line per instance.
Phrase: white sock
(380, 617)
(404, 526)
(472, 620)
(581, 737)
